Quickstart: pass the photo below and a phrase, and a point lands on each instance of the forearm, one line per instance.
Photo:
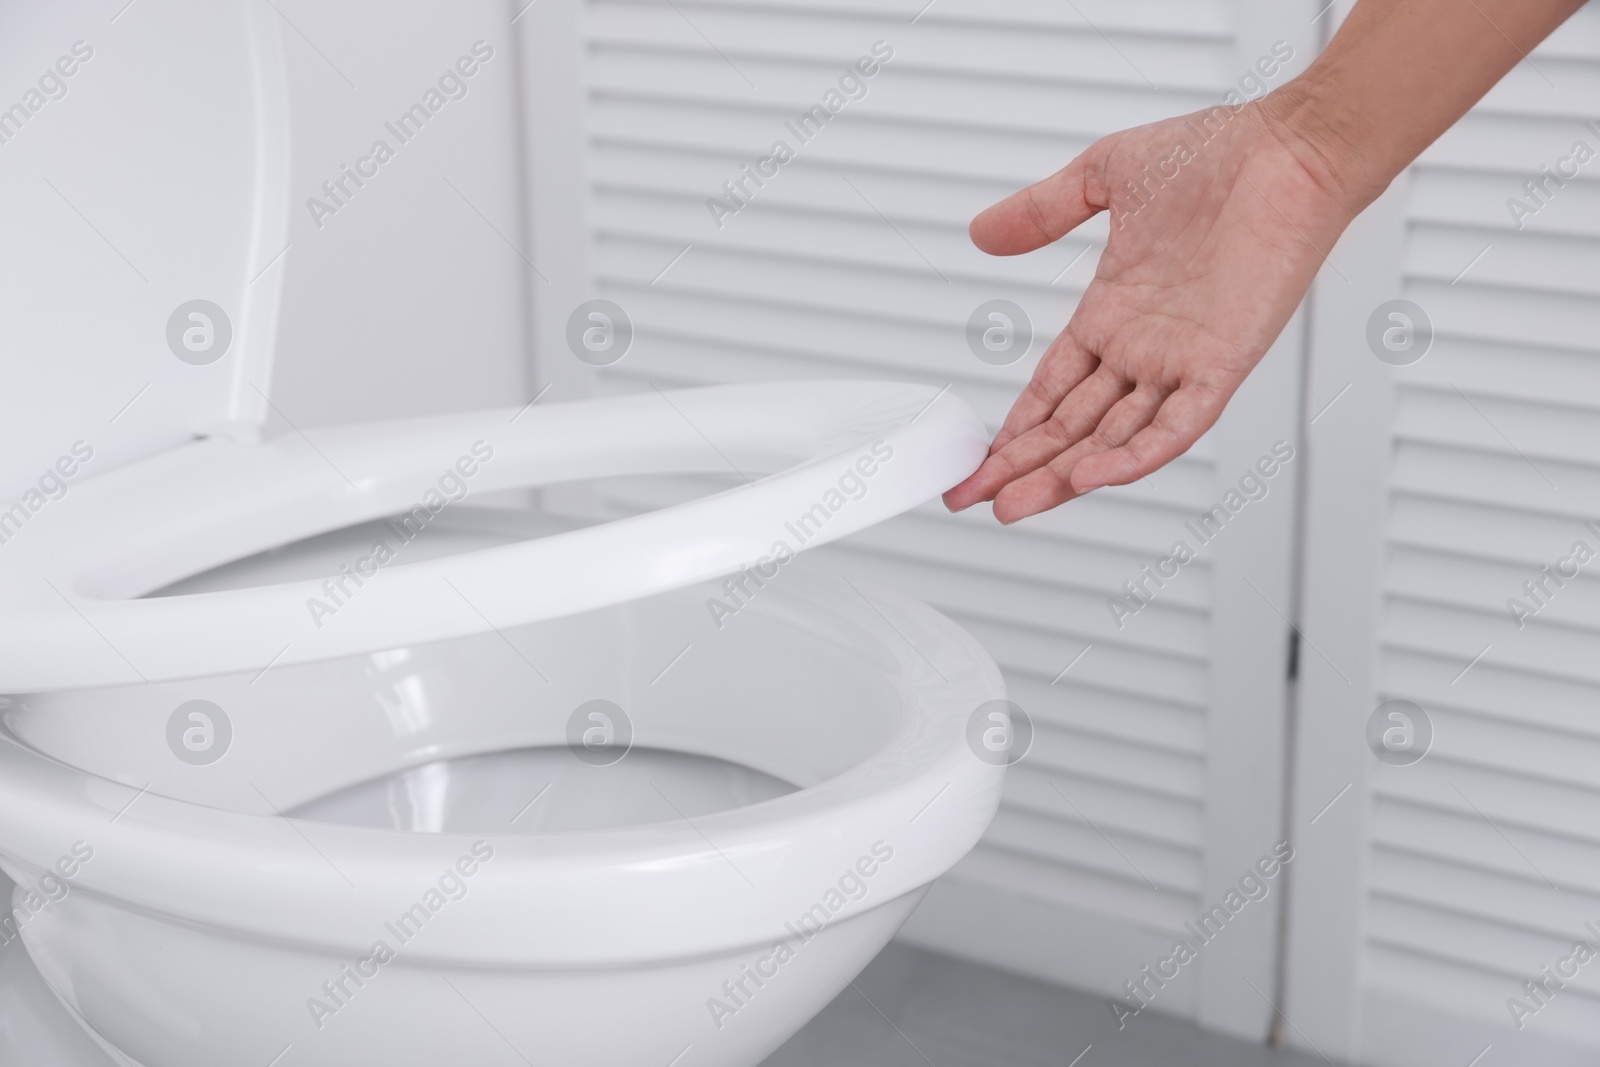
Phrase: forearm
(1397, 75)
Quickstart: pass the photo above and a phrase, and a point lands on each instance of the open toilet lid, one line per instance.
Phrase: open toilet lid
(820, 460)
(148, 195)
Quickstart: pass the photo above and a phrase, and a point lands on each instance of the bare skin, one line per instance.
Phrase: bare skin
(1212, 249)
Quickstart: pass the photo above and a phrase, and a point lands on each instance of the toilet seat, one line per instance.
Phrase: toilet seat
(66, 577)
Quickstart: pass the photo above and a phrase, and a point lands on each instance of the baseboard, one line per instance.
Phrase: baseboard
(1405, 1033)
(1011, 932)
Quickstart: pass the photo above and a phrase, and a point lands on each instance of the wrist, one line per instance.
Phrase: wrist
(1320, 126)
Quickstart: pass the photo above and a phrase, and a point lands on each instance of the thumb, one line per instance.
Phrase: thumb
(1043, 212)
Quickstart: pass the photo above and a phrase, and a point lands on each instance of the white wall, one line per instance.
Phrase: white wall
(408, 300)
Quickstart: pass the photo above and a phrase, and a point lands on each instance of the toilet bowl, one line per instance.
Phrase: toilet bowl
(37, 1029)
(646, 790)
(450, 882)
(307, 759)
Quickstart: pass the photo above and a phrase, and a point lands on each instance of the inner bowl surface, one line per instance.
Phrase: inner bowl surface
(764, 673)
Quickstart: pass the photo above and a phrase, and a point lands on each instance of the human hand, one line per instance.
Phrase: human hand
(1203, 268)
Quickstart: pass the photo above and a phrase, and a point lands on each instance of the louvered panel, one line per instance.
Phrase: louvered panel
(854, 261)
(1579, 38)
(1526, 809)
(1495, 532)
(890, 278)
(1505, 143)
(707, 335)
(1442, 934)
(839, 235)
(1480, 863)
(1496, 479)
(1548, 262)
(1123, 810)
(1152, 820)
(1059, 58)
(1467, 850)
(1197, 19)
(1445, 195)
(1152, 674)
(1535, 114)
(912, 93)
(1470, 892)
(1503, 426)
(1548, 650)
(1521, 751)
(1441, 981)
(1027, 604)
(674, 172)
(1069, 703)
(1071, 887)
(1123, 761)
(695, 355)
(1516, 317)
(1549, 375)
(1477, 935)
(1190, 49)
(1554, 85)
(1050, 834)
(1018, 557)
(1483, 865)
(1500, 425)
(1056, 40)
(1474, 584)
(859, 144)
(1563, 706)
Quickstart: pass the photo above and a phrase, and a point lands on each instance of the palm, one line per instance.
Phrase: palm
(1195, 284)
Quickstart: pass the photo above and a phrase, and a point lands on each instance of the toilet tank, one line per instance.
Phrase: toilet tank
(144, 163)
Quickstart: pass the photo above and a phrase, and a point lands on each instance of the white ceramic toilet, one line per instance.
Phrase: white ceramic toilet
(496, 792)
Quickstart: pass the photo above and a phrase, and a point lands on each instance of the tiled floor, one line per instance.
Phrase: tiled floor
(915, 1009)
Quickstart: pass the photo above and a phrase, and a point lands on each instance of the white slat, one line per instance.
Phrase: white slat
(1483, 861)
